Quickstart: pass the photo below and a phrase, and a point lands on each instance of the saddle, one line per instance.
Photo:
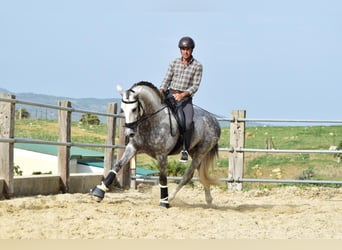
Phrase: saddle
(176, 109)
(178, 113)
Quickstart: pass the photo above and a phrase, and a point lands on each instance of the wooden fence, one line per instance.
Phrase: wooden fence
(7, 140)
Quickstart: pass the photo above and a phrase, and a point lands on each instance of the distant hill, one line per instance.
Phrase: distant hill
(89, 104)
(2, 90)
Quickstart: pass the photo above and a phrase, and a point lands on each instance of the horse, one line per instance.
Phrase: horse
(151, 128)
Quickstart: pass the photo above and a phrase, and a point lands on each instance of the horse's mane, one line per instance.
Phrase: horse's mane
(150, 85)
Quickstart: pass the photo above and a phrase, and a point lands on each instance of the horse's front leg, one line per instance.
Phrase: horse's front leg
(164, 194)
(100, 190)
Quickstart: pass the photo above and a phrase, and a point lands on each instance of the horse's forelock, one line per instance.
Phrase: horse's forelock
(129, 95)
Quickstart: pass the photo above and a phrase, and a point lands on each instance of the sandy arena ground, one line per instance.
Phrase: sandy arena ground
(281, 213)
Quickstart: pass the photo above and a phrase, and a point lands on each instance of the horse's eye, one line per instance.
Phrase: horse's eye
(134, 110)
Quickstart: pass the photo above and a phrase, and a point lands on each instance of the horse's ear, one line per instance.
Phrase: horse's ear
(119, 89)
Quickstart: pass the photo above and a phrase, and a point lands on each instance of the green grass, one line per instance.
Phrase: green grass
(288, 137)
(316, 166)
(48, 130)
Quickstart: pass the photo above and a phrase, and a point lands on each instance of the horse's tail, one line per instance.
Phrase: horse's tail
(207, 163)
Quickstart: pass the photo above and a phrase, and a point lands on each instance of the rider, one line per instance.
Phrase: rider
(182, 80)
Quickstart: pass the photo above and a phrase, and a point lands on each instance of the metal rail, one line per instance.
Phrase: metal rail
(71, 144)
(230, 180)
(59, 108)
(278, 120)
(218, 118)
(307, 151)
(289, 120)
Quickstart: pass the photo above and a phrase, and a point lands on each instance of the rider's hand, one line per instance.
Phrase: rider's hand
(180, 96)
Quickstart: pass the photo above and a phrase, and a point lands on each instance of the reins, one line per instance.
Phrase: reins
(133, 125)
(150, 115)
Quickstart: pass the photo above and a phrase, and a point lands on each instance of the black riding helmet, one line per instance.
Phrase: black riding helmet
(186, 42)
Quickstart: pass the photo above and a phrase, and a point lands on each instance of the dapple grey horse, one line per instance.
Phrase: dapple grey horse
(151, 128)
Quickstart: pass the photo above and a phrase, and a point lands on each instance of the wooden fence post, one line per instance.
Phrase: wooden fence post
(111, 128)
(7, 118)
(237, 140)
(124, 175)
(64, 122)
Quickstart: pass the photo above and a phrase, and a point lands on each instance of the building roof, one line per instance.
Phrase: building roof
(96, 163)
(53, 150)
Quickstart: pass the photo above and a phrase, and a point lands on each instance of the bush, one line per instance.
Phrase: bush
(89, 119)
(17, 171)
(339, 147)
(176, 168)
(22, 114)
(307, 174)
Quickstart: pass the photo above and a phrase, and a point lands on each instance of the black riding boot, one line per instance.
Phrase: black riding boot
(186, 145)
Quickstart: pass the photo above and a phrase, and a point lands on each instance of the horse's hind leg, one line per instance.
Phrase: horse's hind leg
(208, 197)
(186, 178)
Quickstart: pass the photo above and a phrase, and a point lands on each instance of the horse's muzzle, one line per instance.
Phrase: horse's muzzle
(130, 129)
(129, 132)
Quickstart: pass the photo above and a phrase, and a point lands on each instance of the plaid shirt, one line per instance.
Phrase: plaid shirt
(183, 78)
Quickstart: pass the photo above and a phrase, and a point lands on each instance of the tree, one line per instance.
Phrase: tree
(22, 114)
(89, 119)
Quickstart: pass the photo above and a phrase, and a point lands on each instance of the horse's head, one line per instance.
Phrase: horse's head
(142, 101)
(131, 108)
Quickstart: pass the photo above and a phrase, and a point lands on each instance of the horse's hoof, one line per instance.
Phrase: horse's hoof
(98, 194)
(163, 204)
(97, 199)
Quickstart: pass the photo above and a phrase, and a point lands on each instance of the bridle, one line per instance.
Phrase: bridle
(134, 125)
(141, 115)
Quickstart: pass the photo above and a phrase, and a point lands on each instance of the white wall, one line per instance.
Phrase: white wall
(30, 162)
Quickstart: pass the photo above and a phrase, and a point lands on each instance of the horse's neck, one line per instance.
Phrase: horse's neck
(152, 102)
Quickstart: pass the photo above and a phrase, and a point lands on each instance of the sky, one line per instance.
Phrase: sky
(277, 59)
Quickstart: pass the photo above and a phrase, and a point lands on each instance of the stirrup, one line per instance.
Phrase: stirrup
(184, 157)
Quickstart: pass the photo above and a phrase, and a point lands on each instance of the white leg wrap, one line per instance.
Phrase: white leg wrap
(102, 187)
(165, 200)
